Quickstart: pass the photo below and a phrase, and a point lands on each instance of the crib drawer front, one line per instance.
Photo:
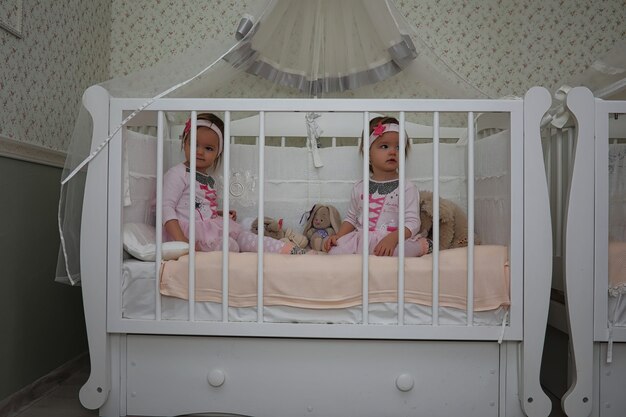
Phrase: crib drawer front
(310, 377)
(612, 377)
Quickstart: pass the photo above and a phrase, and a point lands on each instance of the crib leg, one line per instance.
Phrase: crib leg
(579, 286)
(93, 259)
(537, 257)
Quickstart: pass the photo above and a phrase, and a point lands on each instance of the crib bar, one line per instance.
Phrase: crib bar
(366, 216)
(159, 214)
(559, 191)
(470, 218)
(401, 219)
(226, 216)
(282, 141)
(435, 303)
(334, 142)
(192, 214)
(261, 214)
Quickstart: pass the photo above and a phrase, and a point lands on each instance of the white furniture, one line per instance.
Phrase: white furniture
(172, 367)
(596, 328)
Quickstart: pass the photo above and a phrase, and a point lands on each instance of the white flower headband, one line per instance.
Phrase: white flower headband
(210, 125)
(383, 128)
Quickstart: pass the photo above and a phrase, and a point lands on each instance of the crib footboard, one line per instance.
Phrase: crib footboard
(159, 365)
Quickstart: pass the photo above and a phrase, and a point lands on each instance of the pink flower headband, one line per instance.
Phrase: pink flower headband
(210, 125)
(380, 129)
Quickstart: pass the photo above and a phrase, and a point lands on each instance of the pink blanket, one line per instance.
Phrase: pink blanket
(318, 281)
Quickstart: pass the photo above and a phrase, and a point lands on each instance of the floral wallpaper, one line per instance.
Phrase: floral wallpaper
(64, 49)
(503, 47)
(11, 14)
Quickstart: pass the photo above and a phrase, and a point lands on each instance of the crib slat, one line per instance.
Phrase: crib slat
(559, 190)
(192, 214)
(261, 214)
(226, 215)
(159, 215)
(470, 219)
(366, 216)
(401, 221)
(435, 295)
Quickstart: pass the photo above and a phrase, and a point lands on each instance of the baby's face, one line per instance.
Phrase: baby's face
(384, 155)
(207, 149)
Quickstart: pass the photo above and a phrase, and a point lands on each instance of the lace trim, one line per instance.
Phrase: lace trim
(204, 179)
(383, 188)
(615, 291)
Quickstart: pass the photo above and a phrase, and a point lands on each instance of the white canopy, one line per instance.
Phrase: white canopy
(313, 48)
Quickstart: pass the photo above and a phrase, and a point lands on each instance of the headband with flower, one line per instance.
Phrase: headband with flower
(210, 125)
(383, 128)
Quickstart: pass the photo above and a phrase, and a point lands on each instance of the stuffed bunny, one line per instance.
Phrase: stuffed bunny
(274, 229)
(323, 221)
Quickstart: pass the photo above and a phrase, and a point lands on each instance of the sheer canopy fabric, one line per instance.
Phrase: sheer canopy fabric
(282, 48)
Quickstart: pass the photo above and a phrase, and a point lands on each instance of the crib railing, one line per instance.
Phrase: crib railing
(529, 250)
(470, 107)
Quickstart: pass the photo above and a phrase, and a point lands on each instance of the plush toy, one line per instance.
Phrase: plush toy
(274, 229)
(323, 221)
(452, 222)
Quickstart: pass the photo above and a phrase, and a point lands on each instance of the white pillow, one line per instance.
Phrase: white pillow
(139, 241)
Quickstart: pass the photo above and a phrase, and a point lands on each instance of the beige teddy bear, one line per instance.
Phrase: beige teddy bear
(452, 222)
(274, 228)
(323, 221)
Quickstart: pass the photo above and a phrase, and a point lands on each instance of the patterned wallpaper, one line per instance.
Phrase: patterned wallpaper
(65, 48)
(503, 47)
(507, 46)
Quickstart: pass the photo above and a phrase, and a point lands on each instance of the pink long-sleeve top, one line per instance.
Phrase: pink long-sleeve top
(176, 195)
(384, 206)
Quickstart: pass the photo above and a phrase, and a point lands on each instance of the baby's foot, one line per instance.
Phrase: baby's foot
(296, 250)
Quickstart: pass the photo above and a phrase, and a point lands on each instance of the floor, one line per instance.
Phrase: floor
(63, 401)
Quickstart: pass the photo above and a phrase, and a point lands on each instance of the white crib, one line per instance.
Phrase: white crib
(596, 323)
(263, 365)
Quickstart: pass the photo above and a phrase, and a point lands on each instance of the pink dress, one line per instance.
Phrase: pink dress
(383, 217)
(209, 225)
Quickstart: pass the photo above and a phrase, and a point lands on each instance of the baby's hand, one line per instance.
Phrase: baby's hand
(386, 246)
(231, 213)
(330, 242)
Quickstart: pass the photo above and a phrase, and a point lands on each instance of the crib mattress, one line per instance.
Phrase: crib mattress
(138, 302)
(322, 281)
